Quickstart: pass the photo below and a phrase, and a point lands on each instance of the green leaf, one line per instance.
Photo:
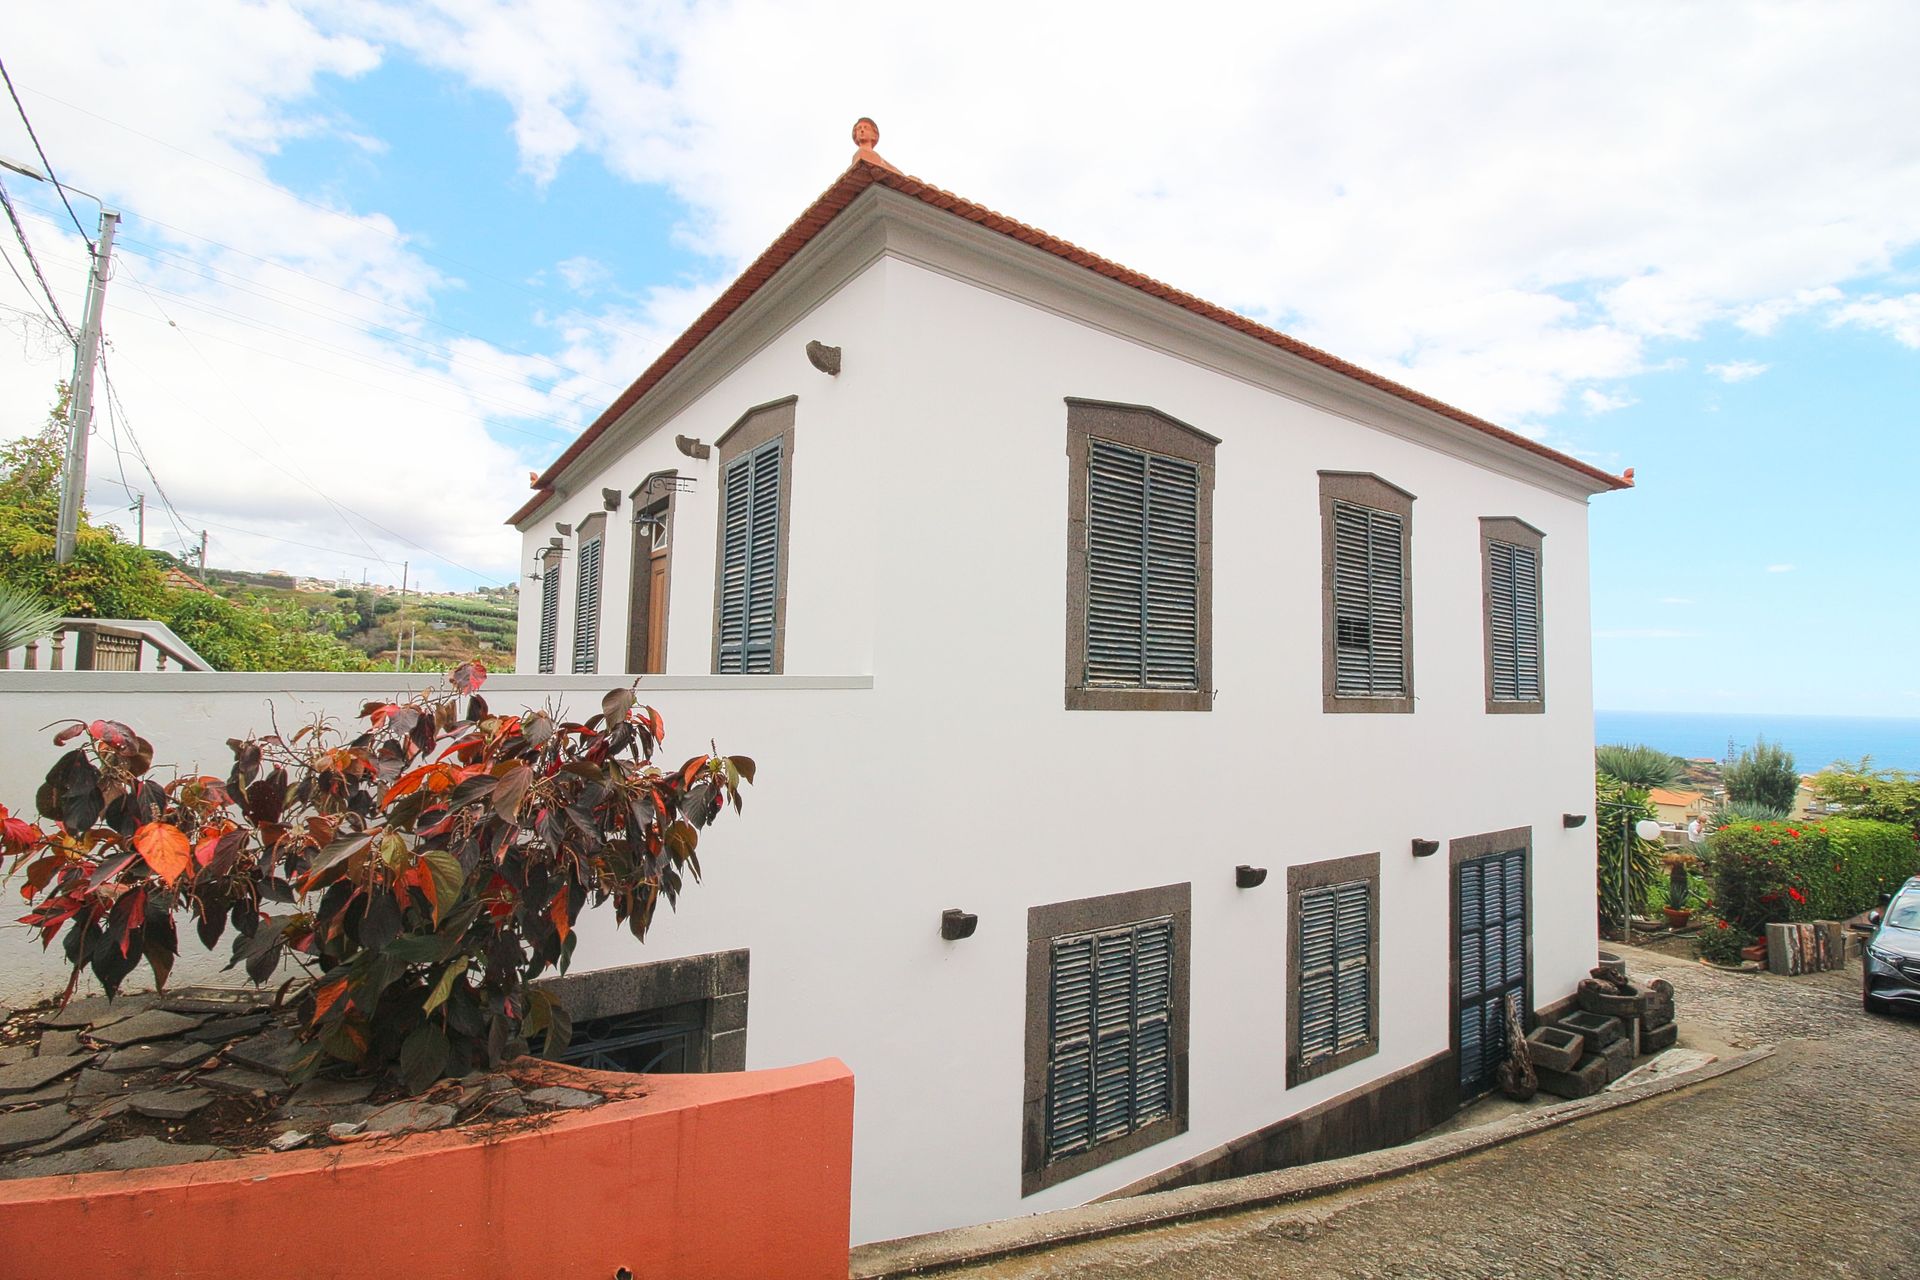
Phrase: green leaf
(559, 1030)
(448, 880)
(743, 765)
(616, 705)
(444, 987)
(540, 1007)
(423, 1057)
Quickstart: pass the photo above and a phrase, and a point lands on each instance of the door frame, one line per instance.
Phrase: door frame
(653, 500)
(1466, 849)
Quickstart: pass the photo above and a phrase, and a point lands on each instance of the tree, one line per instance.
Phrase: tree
(1639, 766)
(424, 872)
(1862, 791)
(1763, 774)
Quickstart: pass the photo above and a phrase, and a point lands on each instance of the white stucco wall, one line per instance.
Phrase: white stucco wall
(928, 553)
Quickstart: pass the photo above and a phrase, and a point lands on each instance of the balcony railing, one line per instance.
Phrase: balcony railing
(106, 644)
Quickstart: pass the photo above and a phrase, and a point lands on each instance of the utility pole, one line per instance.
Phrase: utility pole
(399, 649)
(140, 504)
(73, 487)
(203, 555)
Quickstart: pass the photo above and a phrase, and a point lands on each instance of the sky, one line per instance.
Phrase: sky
(380, 260)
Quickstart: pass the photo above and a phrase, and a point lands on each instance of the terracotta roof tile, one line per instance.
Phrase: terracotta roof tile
(863, 174)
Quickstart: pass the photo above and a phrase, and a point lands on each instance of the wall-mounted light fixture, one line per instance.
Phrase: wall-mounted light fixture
(1571, 820)
(956, 924)
(1425, 848)
(610, 498)
(692, 447)
(824, 358)
(1246, 877)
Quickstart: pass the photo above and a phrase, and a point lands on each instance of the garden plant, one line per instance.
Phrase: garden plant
(422, 873)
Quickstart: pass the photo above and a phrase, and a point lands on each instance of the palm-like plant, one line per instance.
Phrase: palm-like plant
(24, 618)
(1641, 767)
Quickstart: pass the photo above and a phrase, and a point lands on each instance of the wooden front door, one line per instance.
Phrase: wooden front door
(657, 611)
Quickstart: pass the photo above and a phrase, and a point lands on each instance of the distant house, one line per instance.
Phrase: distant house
(1038, 587)
(1677, 808)
(180, 580)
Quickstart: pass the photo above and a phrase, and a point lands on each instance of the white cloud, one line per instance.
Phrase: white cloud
(1898, 318)
(1763, 317)
(1738, 370)
(1596, 401)
(584, 275)
(1779, 568)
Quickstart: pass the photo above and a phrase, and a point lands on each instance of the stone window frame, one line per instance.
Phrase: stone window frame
(546, 651)
(1153, 431)
(656, 495)
(1322, 875)
(1084, 915)
(1363, 489)
(1516, 532)
(719, 978)
(592, 529)
(770, 421)
(1466, 849)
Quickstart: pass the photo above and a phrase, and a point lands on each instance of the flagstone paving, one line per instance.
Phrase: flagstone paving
(1792, 1166)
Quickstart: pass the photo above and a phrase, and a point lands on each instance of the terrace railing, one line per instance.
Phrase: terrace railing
(106, 644)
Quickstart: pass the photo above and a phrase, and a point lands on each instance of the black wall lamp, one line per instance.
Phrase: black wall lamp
(956, 924)
(1425, 848)
(1246, 877)
(1571, 820)
(824, 358)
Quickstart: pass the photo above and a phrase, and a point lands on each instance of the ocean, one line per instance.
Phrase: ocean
(1815, 741)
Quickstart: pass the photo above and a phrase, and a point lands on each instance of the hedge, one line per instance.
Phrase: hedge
(1766, 872)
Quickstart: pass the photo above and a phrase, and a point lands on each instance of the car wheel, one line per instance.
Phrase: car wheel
(1872, 1004)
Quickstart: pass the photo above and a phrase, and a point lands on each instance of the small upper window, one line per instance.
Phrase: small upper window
(549, 608)
(1140, 559)
(586, 599)
(750, 596)
(1366, 608)
(1510, 558)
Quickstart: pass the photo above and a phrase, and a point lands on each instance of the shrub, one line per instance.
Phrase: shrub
(1763, 774)
(1639, 766)
(1862, 791)
(424, 873)
(1720, 942)
(1767, 872)
(1617, 807)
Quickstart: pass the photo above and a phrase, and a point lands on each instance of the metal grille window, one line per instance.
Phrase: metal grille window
(1143, 580)
(586, 609)
(1110, 1035)
(549, 611)
(1369, 602)
(1334, 958)
(750, 561)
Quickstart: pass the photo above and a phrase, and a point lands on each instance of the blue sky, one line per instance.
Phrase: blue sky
(381, 259)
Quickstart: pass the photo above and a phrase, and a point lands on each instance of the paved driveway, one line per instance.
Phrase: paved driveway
(1775, 1170)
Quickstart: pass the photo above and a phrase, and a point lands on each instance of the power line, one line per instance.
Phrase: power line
(166, 503)
(20, 234)
(46, 164)
(25, 287)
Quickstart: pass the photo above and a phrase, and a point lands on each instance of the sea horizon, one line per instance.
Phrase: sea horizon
(1893, 742)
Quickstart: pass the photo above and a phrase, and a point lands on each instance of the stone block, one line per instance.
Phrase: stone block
(1599, 1031)
(561, 1096)
(37, 1073)
(1619, 1058)
(169, 1104)
(97, 1011)
(1659, 1038)
(1656, 1005)
(1555, 1049)
(34, 1126)
(1588, 1077)
(1602, 1001)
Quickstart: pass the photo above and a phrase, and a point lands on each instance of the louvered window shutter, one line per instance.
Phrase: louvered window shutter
(1369, 602)
(1143, 569)
(549, 612)
(1110, 1028)
(750, 561)
(586, 609)
(1513, 621)
(1335, 958)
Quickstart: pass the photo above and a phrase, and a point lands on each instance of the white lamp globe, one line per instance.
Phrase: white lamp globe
(1647, 829)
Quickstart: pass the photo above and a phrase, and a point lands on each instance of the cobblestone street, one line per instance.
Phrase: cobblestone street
(1802, 1164)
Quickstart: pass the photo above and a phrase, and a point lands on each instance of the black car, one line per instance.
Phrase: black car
(1892, 965)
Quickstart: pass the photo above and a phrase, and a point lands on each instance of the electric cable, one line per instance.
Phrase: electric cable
(46, 164)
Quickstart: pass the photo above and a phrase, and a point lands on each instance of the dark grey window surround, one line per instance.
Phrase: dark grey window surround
(1515, 533)
(718, 978)
(1364, 868)
(1363, 489)
(1463, 850)
(549, 608)
(1147, 430)
(757, 426)
(654, 497)
(1063, 919)
(589, 582)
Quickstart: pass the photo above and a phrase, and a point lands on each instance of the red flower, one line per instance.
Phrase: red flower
(1722, 924)
(1775, 840)
(1796, 895)
(1756, 826)
(1793, 833)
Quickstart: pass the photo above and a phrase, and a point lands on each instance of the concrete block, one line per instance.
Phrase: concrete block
(1555, 1049)
(1598, 1031)
(1656, 1005)
(1604, 1002)
(1659, 1038)
(1588, 1077)
(1618, 1057)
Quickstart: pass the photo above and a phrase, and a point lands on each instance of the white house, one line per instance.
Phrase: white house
(1242, 695)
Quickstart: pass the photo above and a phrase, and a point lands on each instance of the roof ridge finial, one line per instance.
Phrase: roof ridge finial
(866, 135)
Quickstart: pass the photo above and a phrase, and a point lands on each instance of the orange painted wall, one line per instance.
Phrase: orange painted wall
(706, 1177)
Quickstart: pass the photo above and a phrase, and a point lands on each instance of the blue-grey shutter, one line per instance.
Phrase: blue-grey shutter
(1353, 1012)
(1369, 602)
(549, 612)
(1516, 916)
(1319, 934)
(750, 561)
(1473, 971)
(1110, 1035)
(1143, 569)
(586, 610)
(1513, 621)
